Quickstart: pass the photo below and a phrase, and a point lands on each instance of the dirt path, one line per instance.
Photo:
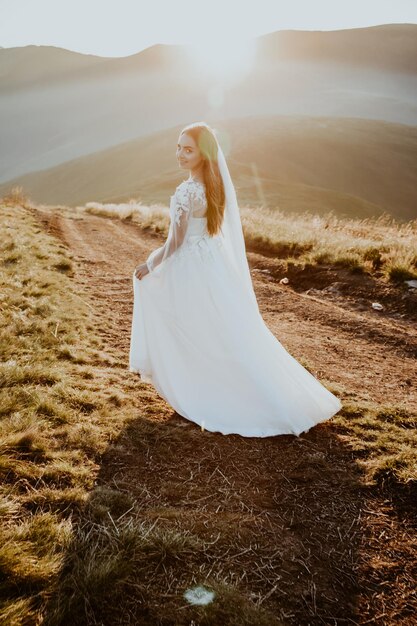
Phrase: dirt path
(363, 355)
(342, 553)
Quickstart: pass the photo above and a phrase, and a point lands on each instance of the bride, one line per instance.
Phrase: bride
(197, 334)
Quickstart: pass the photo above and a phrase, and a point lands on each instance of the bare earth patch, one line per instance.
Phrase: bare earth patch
(292, 522)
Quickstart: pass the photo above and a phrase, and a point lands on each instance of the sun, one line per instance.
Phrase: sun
(226, 60)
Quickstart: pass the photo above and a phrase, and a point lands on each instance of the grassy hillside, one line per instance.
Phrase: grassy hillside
(353, 167)
(379, 247)
(67, 546)
(80, 546)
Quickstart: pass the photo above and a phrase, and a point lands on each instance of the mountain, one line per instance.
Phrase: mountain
(385, 47)
(57, 105)
(355, 167)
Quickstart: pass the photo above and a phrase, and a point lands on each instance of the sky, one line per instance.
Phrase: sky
(118, 28)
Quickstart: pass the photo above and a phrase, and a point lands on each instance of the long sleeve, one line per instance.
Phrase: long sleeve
(177, 229)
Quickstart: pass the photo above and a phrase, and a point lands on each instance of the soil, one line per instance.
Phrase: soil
(342, 552)
(380, 349)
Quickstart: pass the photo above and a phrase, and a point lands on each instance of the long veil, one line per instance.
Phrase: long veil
(232, 230)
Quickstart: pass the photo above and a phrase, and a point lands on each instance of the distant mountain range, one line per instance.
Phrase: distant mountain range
(352, 166)
(324, 118)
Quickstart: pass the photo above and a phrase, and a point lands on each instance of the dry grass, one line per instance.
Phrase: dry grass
(384, 439)
(112, 507)
(16, 197)
(54, 425)
(63, 553)
(380, 246)
(154, 218)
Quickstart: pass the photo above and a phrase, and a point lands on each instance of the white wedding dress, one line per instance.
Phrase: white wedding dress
(202, 343)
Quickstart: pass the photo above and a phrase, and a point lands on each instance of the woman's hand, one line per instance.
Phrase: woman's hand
(141, 271)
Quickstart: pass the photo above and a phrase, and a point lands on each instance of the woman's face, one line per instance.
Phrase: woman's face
(188, 154)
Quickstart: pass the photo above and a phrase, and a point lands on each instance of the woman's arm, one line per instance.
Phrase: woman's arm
(177, 228)
(155, 257)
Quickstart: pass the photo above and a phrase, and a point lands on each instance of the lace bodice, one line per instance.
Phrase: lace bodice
(188, 210)
(190, 195)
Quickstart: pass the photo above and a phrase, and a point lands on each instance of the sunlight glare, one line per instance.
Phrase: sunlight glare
(227, 60)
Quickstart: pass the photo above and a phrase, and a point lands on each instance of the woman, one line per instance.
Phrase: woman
(197, 334)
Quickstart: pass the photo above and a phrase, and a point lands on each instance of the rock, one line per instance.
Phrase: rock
(332, 289)
(377, 306)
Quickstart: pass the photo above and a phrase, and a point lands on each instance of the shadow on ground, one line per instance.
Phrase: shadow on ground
(271, 525)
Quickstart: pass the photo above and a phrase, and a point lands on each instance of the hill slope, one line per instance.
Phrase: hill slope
(58, 105)
(354, 167)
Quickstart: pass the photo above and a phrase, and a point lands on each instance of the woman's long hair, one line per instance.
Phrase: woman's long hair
(207, 143)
